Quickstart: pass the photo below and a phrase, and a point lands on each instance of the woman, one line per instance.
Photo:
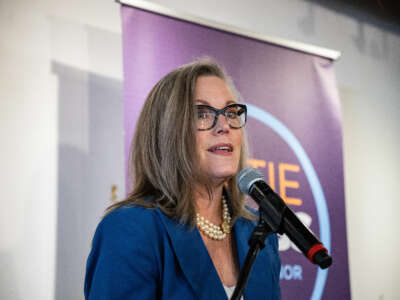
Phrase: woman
(183, 231)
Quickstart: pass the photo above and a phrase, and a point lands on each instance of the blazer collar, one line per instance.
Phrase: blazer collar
(198, 267)
(194, 260)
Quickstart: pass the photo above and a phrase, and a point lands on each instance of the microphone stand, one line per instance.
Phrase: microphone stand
(256, 243)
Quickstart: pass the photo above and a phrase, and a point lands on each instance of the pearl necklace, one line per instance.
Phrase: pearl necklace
(213, 231)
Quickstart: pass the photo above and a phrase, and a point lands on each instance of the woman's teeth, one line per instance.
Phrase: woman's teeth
(222, 148)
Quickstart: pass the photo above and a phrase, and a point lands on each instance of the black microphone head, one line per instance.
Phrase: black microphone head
(247, 177)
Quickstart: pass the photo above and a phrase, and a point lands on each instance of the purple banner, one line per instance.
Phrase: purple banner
(294, 128)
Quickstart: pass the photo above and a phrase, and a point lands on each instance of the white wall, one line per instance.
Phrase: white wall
(61, 131)
(62, 140)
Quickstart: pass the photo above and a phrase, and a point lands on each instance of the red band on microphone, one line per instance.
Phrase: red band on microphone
(314, 249)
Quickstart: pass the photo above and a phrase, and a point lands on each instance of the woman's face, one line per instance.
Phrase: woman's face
(218, 148)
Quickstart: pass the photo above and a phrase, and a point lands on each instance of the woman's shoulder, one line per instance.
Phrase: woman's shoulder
(129, 220)
(125, 249)
(129, 214)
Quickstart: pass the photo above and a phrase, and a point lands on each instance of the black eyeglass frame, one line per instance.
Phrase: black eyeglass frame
(222, 112)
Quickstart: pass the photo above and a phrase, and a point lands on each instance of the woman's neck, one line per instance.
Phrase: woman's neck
(210, 208)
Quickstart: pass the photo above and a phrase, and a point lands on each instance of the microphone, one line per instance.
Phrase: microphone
(281, 218)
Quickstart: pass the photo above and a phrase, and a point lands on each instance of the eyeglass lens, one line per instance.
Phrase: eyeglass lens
(235, 115)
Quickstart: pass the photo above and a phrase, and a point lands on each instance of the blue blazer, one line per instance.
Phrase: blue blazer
(140, 253)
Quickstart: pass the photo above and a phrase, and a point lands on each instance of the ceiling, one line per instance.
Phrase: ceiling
(386, 10)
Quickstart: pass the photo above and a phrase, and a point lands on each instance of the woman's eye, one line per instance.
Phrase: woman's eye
(232, 114)
(204, 115)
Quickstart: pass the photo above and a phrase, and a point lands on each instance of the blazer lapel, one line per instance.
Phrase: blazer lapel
(194, 260)
(257, 285)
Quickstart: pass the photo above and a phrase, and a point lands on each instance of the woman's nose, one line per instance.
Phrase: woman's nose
(222, 124)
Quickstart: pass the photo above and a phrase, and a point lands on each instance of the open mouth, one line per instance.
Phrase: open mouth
(221, 148)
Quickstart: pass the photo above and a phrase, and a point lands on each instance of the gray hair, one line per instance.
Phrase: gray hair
(163, 158)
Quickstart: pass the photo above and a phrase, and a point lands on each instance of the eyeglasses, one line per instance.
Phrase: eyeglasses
(207, 116)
